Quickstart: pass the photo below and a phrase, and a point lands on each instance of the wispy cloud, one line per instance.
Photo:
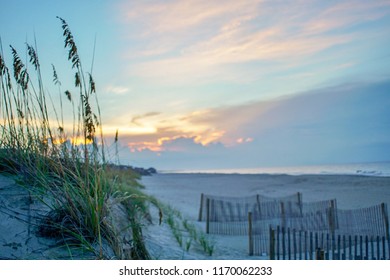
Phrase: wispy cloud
(117, 90)
(174, 17)
(202, 40)
(346, 14)
(138, 119)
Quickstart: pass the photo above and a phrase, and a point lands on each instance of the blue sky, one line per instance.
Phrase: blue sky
(225, 84)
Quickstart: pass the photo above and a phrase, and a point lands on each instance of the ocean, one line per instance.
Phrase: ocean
(381, 169)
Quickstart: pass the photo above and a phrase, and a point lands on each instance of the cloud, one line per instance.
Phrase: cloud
(136, 119)
(346, 14)
(205, 41)
(117, 90)
(182, 16)
(347, 123)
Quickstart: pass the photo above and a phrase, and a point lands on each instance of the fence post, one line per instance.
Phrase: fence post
(250, 234)
(207, 215)
(332, 218)
(320, 254)
(386, 218)
(271, 243)
(201, 207)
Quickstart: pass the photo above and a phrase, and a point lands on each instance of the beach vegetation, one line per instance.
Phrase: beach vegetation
(66, 169)
(94, 209)
(185, 232)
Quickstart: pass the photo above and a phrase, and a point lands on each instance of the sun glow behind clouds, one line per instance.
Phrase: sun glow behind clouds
(161, 134)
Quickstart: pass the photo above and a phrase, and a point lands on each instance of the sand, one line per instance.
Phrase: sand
(19, 214)
(182, 191)
(18, 217)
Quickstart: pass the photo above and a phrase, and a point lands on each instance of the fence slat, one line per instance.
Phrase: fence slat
(378, 255)
(272, 243)
(350, 247)
(295, 243)
(300, 245)
(250, 233)
(289, 243)
(384, 248)
(208, 216)
(283, 243)
(278, 242)
(313, 246)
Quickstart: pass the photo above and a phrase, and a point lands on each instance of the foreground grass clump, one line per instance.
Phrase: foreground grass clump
(66, 168)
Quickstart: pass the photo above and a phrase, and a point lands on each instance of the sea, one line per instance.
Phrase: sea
(381, 169)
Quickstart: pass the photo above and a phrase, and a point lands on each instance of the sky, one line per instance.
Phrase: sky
(224, 84)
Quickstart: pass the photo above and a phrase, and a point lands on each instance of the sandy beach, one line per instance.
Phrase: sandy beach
(18, 214)
(183, 191)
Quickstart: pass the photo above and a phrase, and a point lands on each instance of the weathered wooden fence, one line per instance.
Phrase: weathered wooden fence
(290, 244)
(287, 228)
(328, 223)
(229, 215)
(224, 208)
(318, 215)
(322, 219)
(372, 220)
(231, 219)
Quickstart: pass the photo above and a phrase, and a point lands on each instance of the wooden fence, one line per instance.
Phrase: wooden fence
(229, 215)
(229, 218)
(224, 208)
(290, 244)
(370, 221)
(299, 230)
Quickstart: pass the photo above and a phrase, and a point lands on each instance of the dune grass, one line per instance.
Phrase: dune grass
(65, 169)
(93, 206)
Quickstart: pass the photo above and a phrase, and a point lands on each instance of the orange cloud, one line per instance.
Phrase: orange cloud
(161, 143)
(141, 146)
(203, 127)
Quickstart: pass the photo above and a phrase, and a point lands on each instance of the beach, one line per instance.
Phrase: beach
(183, 192)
